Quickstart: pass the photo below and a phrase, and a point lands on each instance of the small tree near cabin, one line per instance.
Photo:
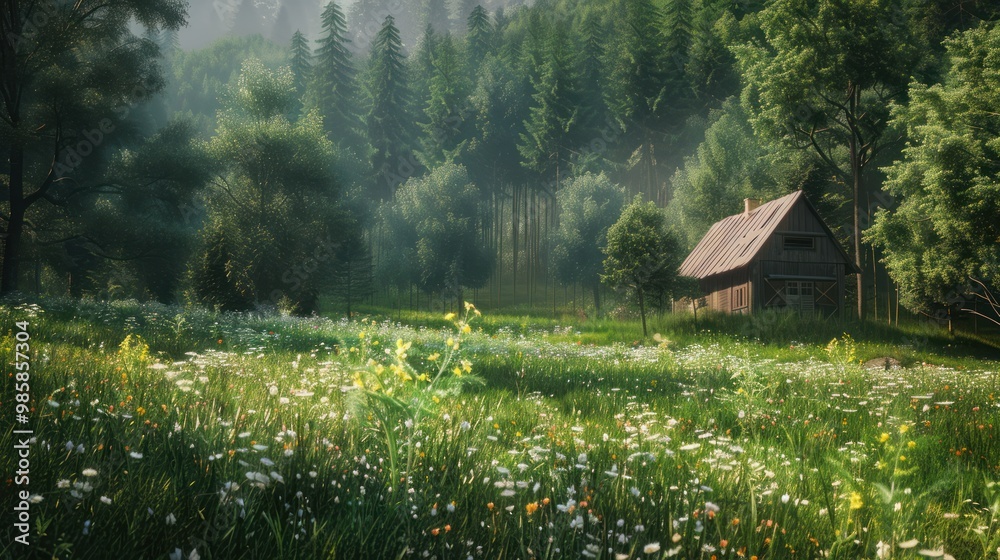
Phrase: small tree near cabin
(642, 254)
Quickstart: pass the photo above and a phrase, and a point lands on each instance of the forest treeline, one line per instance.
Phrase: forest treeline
(458, 147)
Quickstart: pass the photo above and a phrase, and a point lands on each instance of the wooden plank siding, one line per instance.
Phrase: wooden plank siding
(777, 255)
(729, 292)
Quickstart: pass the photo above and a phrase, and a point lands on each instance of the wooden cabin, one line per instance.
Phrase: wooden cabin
(777, 255)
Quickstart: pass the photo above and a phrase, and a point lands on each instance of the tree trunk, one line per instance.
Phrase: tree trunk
(597, 298)
(856, 179)
(515, 210)
(350, 279)
(15, 225)
(642, 311)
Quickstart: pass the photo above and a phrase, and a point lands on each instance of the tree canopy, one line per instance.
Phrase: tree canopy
(274, 220)
(643, 255)
(589, 204)
(111, 119)
(944, 234)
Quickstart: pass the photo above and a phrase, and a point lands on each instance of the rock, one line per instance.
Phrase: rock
(885, 363)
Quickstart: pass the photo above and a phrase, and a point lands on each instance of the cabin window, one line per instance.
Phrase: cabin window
(800, 296)
(799, 243)
(799, 289)
(739, 297)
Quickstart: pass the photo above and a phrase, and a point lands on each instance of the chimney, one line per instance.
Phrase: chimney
(750, 204)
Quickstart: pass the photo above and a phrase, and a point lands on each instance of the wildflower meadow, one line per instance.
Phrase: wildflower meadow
(171, 433)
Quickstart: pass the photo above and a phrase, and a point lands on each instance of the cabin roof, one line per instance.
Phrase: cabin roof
(733, 242)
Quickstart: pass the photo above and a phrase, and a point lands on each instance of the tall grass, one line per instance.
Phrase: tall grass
(165, 432)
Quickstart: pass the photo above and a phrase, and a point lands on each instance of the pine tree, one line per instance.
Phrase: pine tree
(678, 30)
(332, 89)
(711, 69)
(365, 16)
(500, 97)
(637, 90)
(479, 37)
(423, 61)
(554, 111)
(444, 114)
(678, 38)
(532, 48)
(170, 44)
(387, 119)
(300, 62)
(593, 110)
(462, 12)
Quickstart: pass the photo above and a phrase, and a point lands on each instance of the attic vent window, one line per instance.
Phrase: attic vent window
(799, 243)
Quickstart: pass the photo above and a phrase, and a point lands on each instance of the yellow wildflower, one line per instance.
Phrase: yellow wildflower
(466, 366)
(433, 357)
(402, 373)
(466, 329)
(449, 317)
(401, 348)
(911, 444)
(531, 508)
(856, 501)
(457, 371)
(883, 438)
(903, 428)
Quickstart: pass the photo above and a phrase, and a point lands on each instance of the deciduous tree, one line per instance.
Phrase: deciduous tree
(821, 79)
(590, 205)
(643, 255)
(274, 205)
(71, 73)
(944, 236)
(444, 211)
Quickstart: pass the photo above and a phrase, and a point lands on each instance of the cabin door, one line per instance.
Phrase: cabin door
(800, 295)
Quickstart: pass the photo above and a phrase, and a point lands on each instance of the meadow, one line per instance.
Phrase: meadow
(173, 433)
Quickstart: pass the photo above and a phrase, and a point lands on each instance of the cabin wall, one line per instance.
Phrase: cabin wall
(800, 222)
(799, 265)
(729, 292)
(819, 268)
